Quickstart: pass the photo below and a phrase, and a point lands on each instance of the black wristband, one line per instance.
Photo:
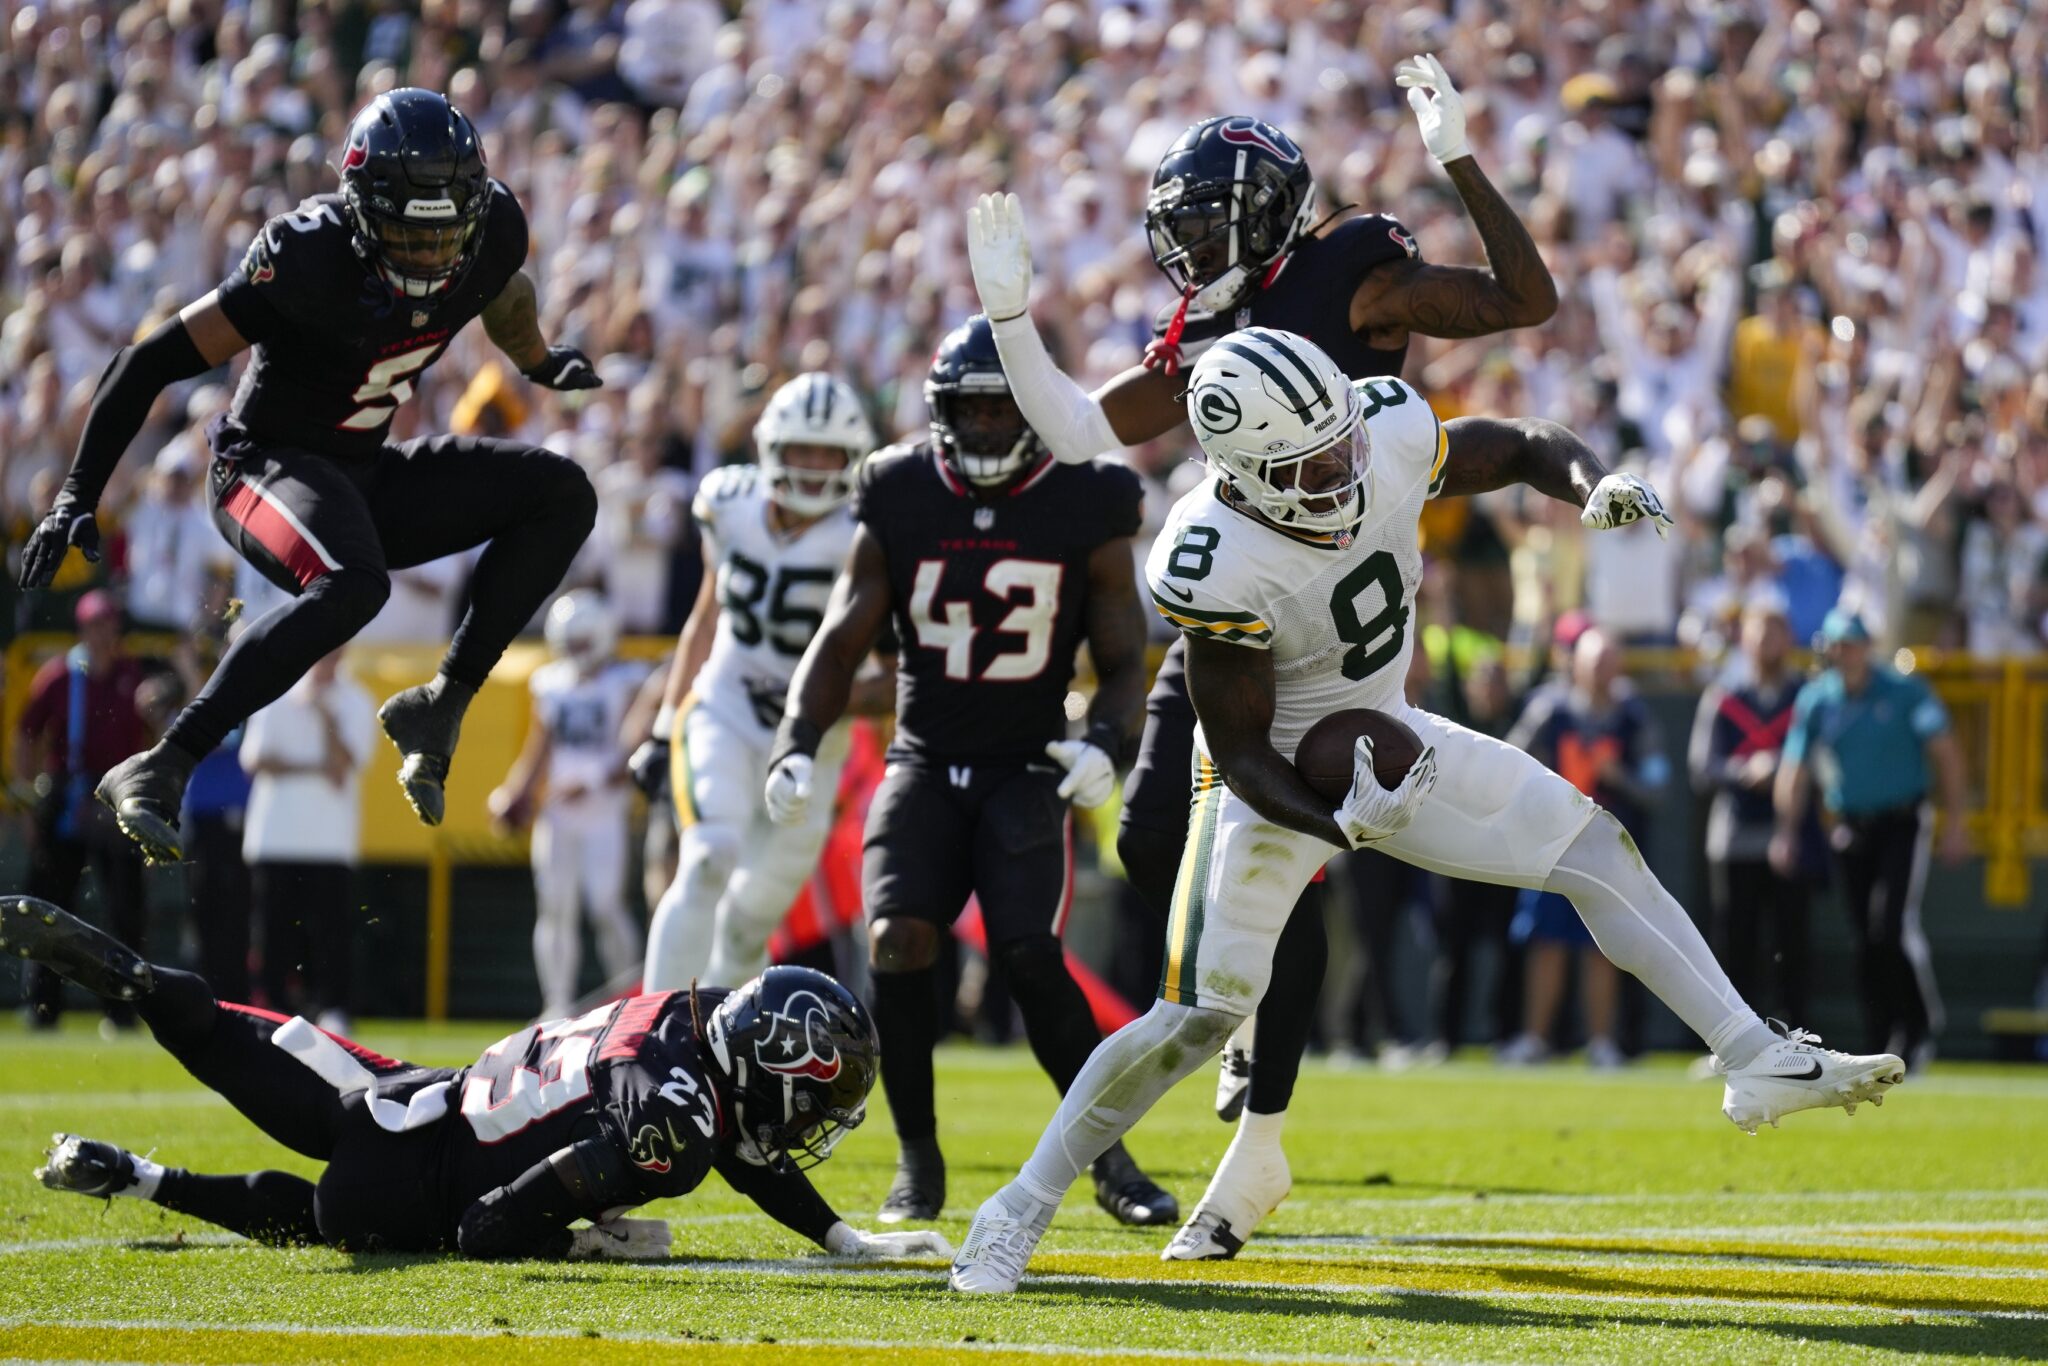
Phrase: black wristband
(795, 736)
(1108, 738)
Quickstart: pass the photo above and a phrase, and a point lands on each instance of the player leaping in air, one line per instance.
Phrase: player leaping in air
(1292, 574)
(1231, 224)
(347, 299)
(566, 1120)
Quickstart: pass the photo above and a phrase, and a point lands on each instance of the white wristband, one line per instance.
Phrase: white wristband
(664, 722)
(841, 1239)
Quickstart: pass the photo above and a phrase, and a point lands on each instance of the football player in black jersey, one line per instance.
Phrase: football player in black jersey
(346, 300)
(575, 1119)
(1230, 222)
(995, 562)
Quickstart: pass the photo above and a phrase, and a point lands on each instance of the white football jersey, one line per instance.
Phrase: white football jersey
(772, 590)
(584, 716)
(1336, 615)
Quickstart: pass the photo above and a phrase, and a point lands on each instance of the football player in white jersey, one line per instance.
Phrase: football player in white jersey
(574, 747)
(1293, 575)
(776, 533)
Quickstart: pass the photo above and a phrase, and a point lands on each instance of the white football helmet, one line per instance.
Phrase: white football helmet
(583, 629)
(1282, 426)
(814, 409)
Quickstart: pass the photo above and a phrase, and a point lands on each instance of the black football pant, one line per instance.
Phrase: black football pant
(1151, 834)
(937, 834)
(305, 910)
(1760, 922)
(57, 863)
(375, 1191)
(329, 530)
(1882, 859)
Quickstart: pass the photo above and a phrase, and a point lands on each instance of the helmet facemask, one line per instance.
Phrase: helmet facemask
(1321, 489)
(418, 256)
(981, 431)
(807, 489)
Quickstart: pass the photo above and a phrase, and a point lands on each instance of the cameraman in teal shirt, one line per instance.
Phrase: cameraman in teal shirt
(1870, 737)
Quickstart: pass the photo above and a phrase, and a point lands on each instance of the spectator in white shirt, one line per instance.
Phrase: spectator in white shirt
(173, 547)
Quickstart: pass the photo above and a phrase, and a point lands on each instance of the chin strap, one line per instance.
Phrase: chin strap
(1163, 354)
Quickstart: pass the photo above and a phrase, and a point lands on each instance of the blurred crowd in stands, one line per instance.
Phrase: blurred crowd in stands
(1796, 244)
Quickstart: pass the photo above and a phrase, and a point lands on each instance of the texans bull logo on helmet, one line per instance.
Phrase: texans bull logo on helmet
(799, 1041)
(1250, 132)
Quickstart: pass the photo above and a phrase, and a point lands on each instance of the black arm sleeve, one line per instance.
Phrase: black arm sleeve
(128, 387)
(784, 1195)
(531, 1217)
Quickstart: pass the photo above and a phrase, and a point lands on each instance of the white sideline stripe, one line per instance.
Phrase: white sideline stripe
(1474, 1201)
(130, 1100)
(497, 1334)
(154, 1242)
(833, 1265)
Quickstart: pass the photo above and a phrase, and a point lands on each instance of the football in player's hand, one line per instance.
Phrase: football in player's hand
(1324, 757)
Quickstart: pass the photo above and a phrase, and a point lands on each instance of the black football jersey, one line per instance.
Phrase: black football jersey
(989, 597)
(1312, 297)
(337, 349)
(629, 1072)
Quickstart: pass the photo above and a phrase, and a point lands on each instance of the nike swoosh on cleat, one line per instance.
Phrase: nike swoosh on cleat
(1813, 1075)
(1180, 593)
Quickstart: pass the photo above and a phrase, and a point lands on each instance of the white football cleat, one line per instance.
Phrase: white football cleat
(999, 1245)
(1793, 1074)
(1249, 1184)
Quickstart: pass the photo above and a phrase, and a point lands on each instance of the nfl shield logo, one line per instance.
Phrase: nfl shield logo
(1343, 540)
(984, 518)
(419, 317)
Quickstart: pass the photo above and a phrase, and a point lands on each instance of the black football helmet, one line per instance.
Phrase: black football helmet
(417, 191)
(1229, 199)
(977, 428)
(800, 1054)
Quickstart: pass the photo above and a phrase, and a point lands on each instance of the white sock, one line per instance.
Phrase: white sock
(1642, 930)
(1255, 1128)
(148, 1176)
(1123, 1078)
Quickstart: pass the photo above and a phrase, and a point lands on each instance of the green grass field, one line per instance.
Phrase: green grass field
(1461, 1214)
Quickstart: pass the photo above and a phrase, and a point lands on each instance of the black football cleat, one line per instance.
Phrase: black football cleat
(146, 793)
(86, 1166)
(424, 723)
(46, 933)
(1129, 1195)
(919, 1192)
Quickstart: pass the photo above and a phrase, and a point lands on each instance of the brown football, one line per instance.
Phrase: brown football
(1324, 756)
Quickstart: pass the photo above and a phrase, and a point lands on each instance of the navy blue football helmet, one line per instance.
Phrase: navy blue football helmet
(800, 1054)
(417, 191)
(977, 428)
(1228, 199)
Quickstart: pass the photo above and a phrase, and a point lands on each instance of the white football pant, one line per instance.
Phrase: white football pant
(579, 860)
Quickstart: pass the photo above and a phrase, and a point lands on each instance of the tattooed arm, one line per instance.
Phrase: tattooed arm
(1463, 301)
(1232, 687)
(1492, 453)
(512, 322)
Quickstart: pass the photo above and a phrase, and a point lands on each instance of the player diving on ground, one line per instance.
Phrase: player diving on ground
(566, 1120)
(1292, 573)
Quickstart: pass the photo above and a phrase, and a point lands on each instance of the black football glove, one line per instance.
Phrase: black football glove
(649, 767)
(565, 368)
(65, 527)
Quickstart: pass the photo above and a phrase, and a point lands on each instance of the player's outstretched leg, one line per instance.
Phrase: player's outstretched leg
(1771, 1071)
(269, 1207)
(146, 792)
(1123, 1079)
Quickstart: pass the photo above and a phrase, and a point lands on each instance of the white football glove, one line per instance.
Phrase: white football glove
(788, 793)
(1091, 774)
(1371, 812)
(843, 1240)
(1443, 118)
(1620, 499)
(999, 254)
(622, 1240)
